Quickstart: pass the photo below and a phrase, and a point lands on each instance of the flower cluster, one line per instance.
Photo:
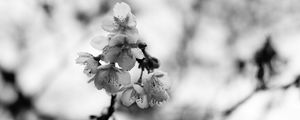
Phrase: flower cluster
(152, 92)
(124, 48)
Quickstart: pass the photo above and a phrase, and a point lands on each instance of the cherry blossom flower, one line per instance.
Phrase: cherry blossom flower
(135, 94)
(111, 78)
(90, 63)
(121, 50)
(156, 87)
(122, 21)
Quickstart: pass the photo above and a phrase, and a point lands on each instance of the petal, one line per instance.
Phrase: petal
(99, 42)
(124, 77)
(99, 78)
(138, 89)
(109, 25)
(160, 96)
(110, 35)
(147, 86)
(142, 102)
(105, 67)
(131, 21)
(89, 62)
(121, 10)
(84, 54)
(126, 97)
(133, 35)
(91, 67)
(111, 54)
(156, 90)
(83, 57)
(137, 53)
(111, 84)
(87, 71)
(152, 102)
(92, 79)
(163, 79)
(117, 40)
(159, 73)
(165, 82)
(126, 60)
(81, 60)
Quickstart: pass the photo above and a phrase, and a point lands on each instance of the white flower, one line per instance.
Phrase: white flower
(111, 78)
(90, 63)
(135, 94)
(123, 21)
(156, 87)
(120, 51)
(121, 11)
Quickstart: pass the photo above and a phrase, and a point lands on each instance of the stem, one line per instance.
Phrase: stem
(141, 77)
(237, 105)
(145, 53)
(111, 110)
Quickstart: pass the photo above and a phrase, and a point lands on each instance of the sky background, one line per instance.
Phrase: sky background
(200, 44)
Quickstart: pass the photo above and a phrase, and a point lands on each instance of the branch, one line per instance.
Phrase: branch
(141, 77)
(229, 111)
(111, 110)
(260, 88)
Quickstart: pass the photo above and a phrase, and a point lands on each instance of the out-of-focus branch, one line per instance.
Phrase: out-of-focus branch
(229, 111)
(23, 103)
(263, 59)
(190, 22)
(241, 102)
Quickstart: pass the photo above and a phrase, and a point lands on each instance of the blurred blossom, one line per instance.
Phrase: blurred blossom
(8, 94)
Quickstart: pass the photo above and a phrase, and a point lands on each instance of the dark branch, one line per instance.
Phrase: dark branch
(240, 103)
(111, 110)
(263, 59)
(141, 77)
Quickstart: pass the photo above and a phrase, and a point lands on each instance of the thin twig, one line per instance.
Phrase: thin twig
(141, 77)
(258, 89)
(240, 103)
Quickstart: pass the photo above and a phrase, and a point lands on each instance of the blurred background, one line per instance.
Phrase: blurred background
(227, 60)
